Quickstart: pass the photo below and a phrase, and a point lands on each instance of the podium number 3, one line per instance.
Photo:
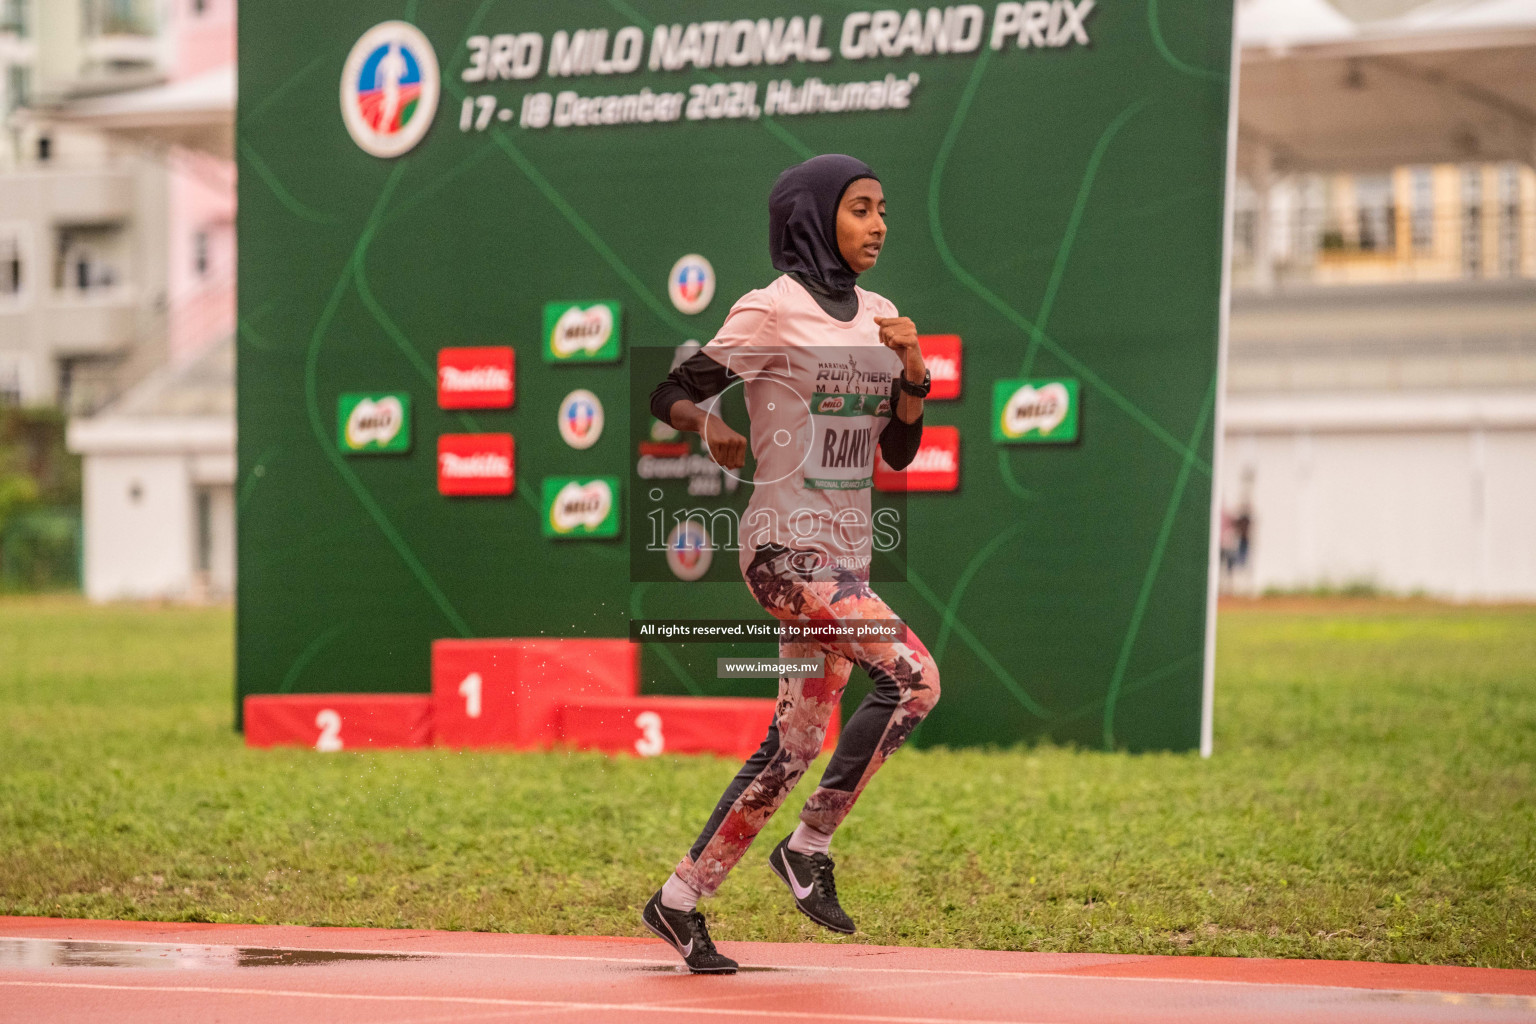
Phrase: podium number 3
(329, 724)
(651, 741)
(469, 689)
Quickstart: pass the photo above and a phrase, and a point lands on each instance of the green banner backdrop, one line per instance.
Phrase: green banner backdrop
(467, 173)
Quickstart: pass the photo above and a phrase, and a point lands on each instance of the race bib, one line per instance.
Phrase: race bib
(844, 430)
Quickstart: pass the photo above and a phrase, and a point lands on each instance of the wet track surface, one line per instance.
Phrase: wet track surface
(129, 972)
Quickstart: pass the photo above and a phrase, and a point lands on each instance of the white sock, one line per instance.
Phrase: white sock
(679, 895)
(806, 840)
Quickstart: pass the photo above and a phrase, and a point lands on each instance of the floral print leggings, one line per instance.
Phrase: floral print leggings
(906, 689)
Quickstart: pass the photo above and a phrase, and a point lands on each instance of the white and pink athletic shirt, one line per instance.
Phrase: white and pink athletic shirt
(819, 392)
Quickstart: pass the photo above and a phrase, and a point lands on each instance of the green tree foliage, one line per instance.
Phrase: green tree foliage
(37, 472)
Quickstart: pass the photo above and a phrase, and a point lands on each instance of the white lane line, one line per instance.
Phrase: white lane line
(1063, 975)
(546, 1004)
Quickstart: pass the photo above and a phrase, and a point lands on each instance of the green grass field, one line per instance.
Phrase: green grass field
(1373, 796)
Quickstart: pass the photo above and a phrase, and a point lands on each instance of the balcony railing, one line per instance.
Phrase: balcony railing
(95, 322)
(1394, 245)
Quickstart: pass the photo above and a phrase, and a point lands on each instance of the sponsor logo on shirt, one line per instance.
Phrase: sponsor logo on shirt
(850, 377)
(935, 467)
(941, 354)
(845, 428)
(577, 507)
(474, 464)
(581, 332)
(475, 378)
(373, 423)
(1034, 411)
(691, 285)
(581, 419)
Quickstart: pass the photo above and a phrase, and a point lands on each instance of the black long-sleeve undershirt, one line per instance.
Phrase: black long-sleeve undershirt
(700, 377)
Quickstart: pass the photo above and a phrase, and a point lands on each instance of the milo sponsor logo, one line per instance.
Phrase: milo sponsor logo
(853, 404)
(1034, 411)
(373, 423)
(581, 332)
(581, 507)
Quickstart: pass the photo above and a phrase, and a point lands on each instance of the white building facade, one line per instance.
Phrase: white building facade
(159, 497)
(1380, 404)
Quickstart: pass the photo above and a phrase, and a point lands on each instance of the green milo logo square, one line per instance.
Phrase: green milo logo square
(576, 507)
(373, 424)
(581, 332)
(1035, 411)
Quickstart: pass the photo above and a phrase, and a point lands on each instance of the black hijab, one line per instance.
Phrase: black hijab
(802, 226)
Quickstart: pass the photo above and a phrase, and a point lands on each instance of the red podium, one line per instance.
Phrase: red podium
(647, 726)
(338, 721)
(507, 693)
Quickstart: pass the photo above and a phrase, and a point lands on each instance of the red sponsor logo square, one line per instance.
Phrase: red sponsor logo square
(941, 353)
(475, 378)
(935, 467)
(474, 464)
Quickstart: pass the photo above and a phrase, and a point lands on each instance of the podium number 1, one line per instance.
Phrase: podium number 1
(469, 689)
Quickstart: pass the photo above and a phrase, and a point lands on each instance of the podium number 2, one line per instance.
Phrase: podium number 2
(469, 689)
(329, 724)
(651, 742)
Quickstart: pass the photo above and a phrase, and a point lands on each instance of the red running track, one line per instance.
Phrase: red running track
(60, 971)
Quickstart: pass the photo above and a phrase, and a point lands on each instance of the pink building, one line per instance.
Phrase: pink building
(201, 243)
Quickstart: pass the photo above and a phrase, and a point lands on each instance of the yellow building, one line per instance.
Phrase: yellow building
(1429, 223)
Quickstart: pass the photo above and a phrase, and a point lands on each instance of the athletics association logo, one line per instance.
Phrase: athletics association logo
(475, 378)
(581, 419)
(688, 550)
(691, 284)
(474, 464)
(389, 89)
(935, 467)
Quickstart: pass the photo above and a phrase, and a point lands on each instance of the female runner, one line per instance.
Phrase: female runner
(828, 369)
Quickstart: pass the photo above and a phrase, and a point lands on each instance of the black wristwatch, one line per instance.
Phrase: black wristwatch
(916, 390)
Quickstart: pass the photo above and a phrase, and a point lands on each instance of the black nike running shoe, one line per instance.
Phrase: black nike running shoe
(810, 880)
(685, 932)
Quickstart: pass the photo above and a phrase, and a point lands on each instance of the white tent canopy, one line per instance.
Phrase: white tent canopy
(1280, 24)
(1448, 82)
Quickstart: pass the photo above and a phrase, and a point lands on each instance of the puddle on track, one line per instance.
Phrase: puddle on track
(25, 953)
(683, 968)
